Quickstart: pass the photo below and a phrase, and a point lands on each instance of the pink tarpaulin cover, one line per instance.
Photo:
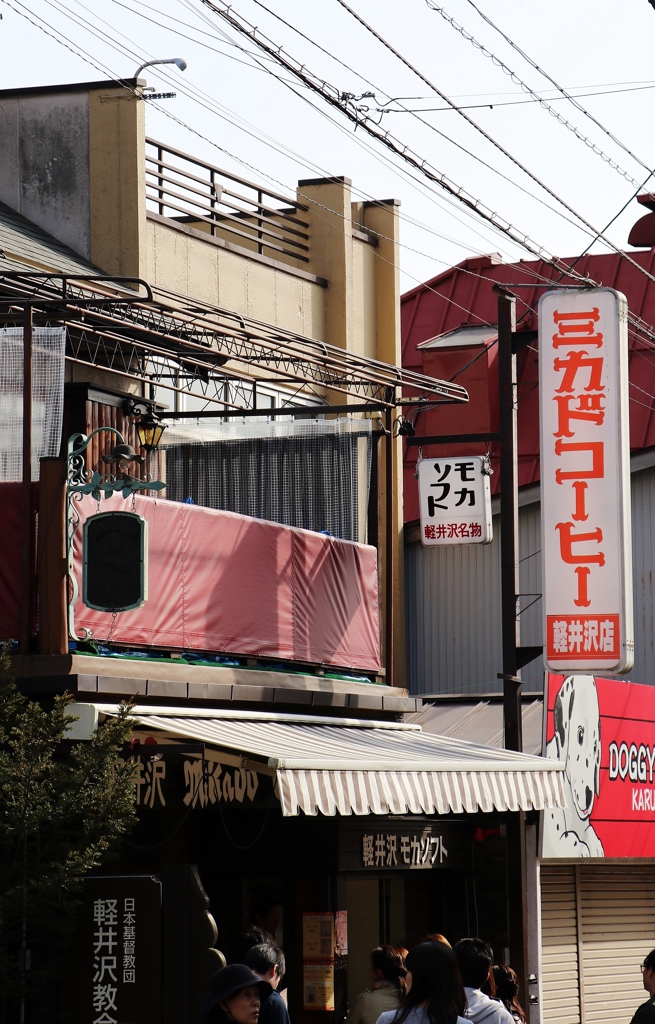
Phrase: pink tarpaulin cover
(218, 581)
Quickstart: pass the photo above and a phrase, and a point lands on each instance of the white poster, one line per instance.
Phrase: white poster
(585, 481)
(455, 500)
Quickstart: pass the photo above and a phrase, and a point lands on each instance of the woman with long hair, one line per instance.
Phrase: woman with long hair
(387, 985)
(434, 993)
(507, 990)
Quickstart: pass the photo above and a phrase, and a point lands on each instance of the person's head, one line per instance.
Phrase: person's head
(434, 982)
(253, 937)
(267, 913)
(388, 964)
(235, 996)
(267, 961)
(474, 957)
(507, 988)
(648, 972)
(437, 937)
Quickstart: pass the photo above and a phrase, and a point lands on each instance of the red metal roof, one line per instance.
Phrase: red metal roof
(463, 297)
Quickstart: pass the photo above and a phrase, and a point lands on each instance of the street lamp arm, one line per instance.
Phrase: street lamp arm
(178, 61)
(86, 439)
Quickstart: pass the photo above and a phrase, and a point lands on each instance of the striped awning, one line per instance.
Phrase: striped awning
(350, 766)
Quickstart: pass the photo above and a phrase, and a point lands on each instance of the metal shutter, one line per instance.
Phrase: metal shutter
(559, 946)
(597, 924)
(618, 929)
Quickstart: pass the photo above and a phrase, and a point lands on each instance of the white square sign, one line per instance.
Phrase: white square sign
(455, 500)
(585, 481)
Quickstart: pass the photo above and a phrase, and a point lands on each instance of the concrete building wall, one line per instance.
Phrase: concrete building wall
(191, 265)
(453, 604)
(44, 163)
(364, 295)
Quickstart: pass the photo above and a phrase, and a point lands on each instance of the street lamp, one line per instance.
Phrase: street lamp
(149, 427)
(178, 61)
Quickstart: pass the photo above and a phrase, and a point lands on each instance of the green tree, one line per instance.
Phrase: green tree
(63, 805)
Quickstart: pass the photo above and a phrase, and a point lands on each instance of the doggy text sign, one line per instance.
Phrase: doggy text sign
(585, 481)
(604, 731)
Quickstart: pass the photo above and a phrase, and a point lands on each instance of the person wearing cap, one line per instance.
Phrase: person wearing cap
(235, 996)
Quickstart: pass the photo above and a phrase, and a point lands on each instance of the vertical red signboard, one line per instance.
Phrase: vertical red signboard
(585, 481)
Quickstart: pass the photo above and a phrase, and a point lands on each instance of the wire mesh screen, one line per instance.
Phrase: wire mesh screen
(311, 474)
(48, 350)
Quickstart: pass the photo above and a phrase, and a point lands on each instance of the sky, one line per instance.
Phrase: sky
(232, 111)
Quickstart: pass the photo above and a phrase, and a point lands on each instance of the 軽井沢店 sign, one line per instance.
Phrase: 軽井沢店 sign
(455, 500)
(585, 481)
(604, 732)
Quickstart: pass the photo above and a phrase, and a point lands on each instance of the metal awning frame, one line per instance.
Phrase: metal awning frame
(140, 336)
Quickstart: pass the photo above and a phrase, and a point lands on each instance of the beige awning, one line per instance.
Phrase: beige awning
(350, 766)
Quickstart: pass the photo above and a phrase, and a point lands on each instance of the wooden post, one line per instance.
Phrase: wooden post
(51, 561)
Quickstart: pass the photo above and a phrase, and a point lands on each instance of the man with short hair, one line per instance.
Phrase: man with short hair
(267, 962)
(475, 958)
(645, 1013)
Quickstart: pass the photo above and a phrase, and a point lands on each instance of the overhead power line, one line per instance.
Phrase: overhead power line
(560, 89)
(334, 98)
(646, 330)
(510, 156)
(535, 97)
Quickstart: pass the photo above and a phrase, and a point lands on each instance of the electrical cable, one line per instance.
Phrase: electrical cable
(515, 103)
(556, 85)
(106, 70)
(332, 96)
(257, 133)
(524, 269)
(427, 124)
(321, 170)
(267, 140)
(536, 98)
(369, 28)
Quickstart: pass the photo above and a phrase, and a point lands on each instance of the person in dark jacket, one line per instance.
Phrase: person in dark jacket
(267, 961)
(646, 1012)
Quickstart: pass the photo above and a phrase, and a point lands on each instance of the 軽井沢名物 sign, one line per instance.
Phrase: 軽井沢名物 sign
(455, 500)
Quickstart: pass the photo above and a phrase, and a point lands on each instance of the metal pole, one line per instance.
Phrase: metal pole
(517, 896)
(509, 532)
(390, 547)
(26, 553)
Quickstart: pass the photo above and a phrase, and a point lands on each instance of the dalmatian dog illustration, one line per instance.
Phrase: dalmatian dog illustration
(568, 831)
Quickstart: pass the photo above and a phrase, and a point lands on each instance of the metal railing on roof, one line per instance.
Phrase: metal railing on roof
(191, 191)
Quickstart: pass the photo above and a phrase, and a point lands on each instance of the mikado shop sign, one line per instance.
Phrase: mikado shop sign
(585, 481)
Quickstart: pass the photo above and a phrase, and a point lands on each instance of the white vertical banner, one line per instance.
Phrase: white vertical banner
(585, 481)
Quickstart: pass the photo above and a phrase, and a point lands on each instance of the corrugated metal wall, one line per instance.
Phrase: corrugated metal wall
(453, 604)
